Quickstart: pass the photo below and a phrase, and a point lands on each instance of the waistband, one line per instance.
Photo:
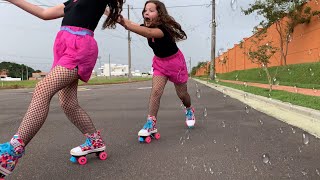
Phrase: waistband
(169, 57)
(77, 30)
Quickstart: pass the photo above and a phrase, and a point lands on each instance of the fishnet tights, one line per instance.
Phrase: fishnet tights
(158, 85)
(59, 78)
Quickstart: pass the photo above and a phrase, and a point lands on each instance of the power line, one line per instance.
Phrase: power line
(179, 6)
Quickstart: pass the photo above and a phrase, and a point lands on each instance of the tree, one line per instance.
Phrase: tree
(194, 69)
(261, 54)
(285, 15)
(16, 70)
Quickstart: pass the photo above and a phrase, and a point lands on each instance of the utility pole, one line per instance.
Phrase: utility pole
(22, 74)
(100, 67)
(27, 73)
(109, 67)
(190, 66)
(213, 41)
(129, 48)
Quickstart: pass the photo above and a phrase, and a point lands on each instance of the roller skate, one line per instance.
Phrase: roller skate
(93, 144)
(10, 152)
(149, 131)
(190, 117)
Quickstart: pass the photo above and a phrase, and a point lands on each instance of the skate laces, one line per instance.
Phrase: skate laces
(189, 114)
(7, 148)
(148, 124)
(87, 143)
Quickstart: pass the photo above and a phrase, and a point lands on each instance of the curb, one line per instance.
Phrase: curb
(298, 116)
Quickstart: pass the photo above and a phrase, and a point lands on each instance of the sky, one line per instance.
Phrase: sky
(25, 39)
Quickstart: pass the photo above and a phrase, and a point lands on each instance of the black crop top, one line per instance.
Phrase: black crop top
(83, 13)
(165, 46)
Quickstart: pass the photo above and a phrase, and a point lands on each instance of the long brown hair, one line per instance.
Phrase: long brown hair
(115, 8)
(167, 21)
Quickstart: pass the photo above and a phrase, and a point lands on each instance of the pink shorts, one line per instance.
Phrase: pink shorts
(174, 67)
(76, 47)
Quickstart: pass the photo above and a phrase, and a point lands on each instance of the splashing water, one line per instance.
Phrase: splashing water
(266, 158)
(305, 138)
(234, 5)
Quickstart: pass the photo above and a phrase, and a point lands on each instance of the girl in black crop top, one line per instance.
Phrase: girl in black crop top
(162, 32)
(75, 54)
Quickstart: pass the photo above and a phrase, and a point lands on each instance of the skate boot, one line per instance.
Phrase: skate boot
(93, 144)
(149, 131)
(190, 117)
(10, 152)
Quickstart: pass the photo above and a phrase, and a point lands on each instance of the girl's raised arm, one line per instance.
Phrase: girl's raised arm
(45, 14)
(141, 30)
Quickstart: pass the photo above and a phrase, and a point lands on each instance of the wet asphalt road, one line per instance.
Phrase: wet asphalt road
(227, 144)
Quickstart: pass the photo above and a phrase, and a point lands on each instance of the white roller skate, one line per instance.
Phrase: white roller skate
(93, 144)
(149, 131)
(190, 117)
(10, 152)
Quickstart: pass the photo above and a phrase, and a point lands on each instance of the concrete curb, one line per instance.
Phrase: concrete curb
(301, 117)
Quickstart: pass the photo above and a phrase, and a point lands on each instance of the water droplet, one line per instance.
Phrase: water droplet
(293, 130)
(266, 158)
(300, 149)
(247, 109)
(186, 159)
(234, 5)
(193, 166)
(305, 138)
(255, 168)
(314, 90)
(274, 79)
(205, 113)
(210, 170)
(289, 38)
(198, 94)
(317, 171)
(261, 122)
(245, 96)
(205, 168)
(281, 131)
(236, 148)
(304, 172)
(220, 51)
(214, 141)
(223, 124)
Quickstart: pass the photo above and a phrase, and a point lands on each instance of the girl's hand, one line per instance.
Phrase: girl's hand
(122, 21)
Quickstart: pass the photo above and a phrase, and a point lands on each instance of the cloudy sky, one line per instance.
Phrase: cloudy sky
(29, 40)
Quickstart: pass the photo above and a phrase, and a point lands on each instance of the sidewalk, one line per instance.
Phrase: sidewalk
(304, 118)
(310, 92)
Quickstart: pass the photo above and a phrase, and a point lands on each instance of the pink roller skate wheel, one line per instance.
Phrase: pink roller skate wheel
(82, 160)
(148, 140)
(157, 136)
(103, 155)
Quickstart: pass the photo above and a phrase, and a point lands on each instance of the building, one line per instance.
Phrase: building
(3, 73)
(38, 76)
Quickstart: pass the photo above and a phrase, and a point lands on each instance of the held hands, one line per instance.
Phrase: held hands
(123, 21)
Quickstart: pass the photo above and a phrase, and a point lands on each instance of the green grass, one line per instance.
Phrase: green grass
(284, 96)
(299, 75)
(94, 81)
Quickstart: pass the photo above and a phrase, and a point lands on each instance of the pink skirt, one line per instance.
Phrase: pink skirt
(174, 67)
(75, 47)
